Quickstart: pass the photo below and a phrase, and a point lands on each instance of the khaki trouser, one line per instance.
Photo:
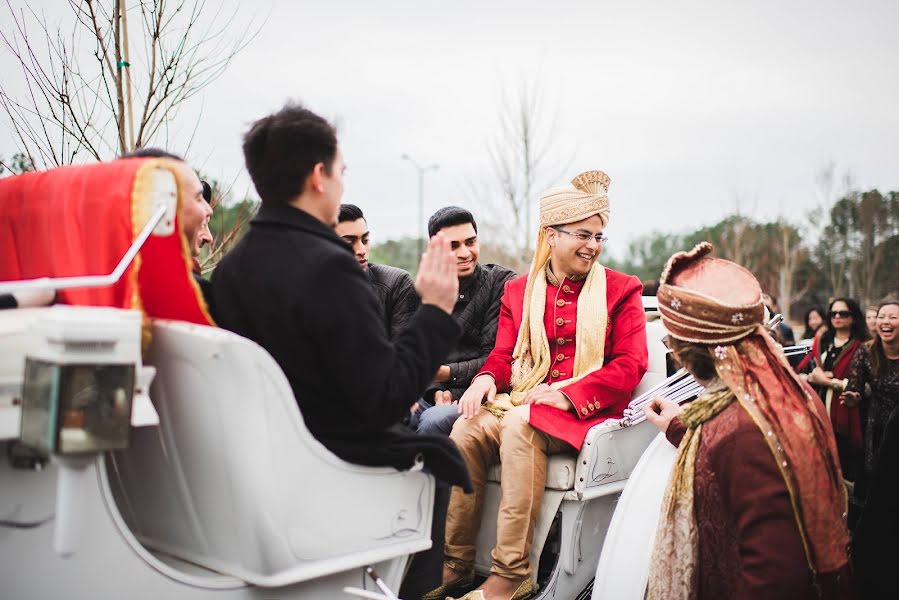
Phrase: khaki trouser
(484, 441)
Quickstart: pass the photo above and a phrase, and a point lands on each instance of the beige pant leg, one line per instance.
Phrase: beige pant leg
(478, 442)
(524, 453)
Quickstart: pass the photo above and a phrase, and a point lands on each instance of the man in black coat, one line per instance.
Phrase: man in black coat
(393, 287)
(477, 312)
(292, 286)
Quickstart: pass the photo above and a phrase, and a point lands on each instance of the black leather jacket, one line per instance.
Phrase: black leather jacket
(396, 293)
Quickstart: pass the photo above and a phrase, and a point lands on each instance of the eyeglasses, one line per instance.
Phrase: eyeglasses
(583, 237)
(843, 314)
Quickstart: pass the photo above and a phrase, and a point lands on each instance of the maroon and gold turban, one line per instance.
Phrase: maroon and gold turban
(718, 304)
(708, 300)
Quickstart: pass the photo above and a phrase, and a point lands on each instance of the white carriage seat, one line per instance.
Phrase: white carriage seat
(233, 481)
(610, 451)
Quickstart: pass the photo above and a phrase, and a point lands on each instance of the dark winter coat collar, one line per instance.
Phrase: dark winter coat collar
(273, 214)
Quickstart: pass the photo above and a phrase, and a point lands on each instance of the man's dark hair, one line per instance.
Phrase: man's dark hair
(282, 149)
(160, 153)
(449, 216)
(349, 212)
(152, 153)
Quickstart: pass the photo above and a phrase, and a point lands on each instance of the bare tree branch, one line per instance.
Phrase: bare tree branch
(71, 108)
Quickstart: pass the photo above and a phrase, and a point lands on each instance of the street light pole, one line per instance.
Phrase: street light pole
(421, 196)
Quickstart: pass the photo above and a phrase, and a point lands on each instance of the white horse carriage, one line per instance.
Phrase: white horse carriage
(148, 457)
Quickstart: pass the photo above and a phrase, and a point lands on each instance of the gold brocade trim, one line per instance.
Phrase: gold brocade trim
(553, 280)
(570, 214)
(674, 564)
(186, 252)
(142, 191)
(493, 408)
(141, 201)
(708, 405)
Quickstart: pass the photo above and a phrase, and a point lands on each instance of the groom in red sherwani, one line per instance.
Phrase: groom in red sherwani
(570, 349)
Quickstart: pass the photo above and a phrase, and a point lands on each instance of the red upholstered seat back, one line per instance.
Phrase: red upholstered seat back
(80, 220)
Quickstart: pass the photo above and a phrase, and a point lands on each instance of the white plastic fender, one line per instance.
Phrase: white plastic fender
(623, 569)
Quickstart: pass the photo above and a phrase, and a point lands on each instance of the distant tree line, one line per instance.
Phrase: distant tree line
(853, 251)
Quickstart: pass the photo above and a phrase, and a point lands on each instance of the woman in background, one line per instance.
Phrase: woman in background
(827, 368)
(876, 365)
(877, 489)
(814, 321)
(871, 320)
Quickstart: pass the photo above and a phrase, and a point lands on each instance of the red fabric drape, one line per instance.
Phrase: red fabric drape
(75, 221)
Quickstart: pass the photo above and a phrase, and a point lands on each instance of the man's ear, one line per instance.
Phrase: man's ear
(316, 177)
(551, 236)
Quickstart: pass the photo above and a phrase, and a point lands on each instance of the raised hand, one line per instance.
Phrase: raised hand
(437, 282)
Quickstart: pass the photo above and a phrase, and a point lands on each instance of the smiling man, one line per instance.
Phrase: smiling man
(393, 287)
(477, 311)
(196, 210)
(570, 349)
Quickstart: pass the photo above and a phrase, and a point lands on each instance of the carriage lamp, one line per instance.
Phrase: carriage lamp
(79, 380)
(76, 408)
(78, 387)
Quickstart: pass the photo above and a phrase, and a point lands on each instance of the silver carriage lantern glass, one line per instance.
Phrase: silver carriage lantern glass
(76, 408)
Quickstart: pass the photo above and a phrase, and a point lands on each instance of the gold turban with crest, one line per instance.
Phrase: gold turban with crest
(587, 196)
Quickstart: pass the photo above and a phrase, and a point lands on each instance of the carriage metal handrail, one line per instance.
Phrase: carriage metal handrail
(679, 388)
(87, 281)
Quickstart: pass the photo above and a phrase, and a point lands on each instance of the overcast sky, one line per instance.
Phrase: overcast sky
(688, 106)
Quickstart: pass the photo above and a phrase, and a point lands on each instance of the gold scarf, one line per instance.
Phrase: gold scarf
(532, 358)
(675, 557)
